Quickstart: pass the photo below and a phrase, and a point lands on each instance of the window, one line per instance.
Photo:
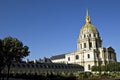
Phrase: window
(77, 57)
(84, 35)
(94, 35)
(81, 46)
(88, 55)
(88, 67)
(97, 55)
(96, 45)
(98, 35)
(110, 55)
(89, 35)
(90, 44)
(68, 58)
(84, 45)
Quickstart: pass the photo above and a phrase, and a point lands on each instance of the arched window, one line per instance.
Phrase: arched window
(88, 67)
(98, 35)
(84, 45)
(90, 44)
(88, 55)
(77, 57)
(89, 35)
(96, 44)
(68, 58)
(84, 36)
(110, 55)
(94, 35)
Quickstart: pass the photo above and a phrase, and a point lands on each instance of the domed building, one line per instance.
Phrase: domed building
(89, 49)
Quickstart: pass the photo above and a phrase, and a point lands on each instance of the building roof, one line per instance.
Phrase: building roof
(61, 56)
(45, 65)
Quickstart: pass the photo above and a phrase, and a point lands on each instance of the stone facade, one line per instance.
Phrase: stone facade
(89, 49)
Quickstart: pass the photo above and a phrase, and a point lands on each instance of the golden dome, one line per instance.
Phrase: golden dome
(88, 27)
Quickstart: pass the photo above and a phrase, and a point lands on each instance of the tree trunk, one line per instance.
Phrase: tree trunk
(0, 74)
(8, 71)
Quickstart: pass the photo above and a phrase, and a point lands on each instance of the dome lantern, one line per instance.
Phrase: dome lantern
(87, 17)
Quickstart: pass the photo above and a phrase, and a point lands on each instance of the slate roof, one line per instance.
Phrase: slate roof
(61, 56)
(38, 65)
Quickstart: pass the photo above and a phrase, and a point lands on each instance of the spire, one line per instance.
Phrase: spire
(87, 17)
(87, 12)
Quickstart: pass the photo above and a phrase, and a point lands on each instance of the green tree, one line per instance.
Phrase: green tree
(13, 50)
(115, 66)
(95, 68)
(1, 58)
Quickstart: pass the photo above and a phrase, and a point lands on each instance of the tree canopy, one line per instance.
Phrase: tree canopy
(11, 49)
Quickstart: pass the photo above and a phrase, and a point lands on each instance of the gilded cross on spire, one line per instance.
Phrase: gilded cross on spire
(87, 17)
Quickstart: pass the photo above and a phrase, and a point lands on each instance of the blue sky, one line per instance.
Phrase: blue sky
(51, 27)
